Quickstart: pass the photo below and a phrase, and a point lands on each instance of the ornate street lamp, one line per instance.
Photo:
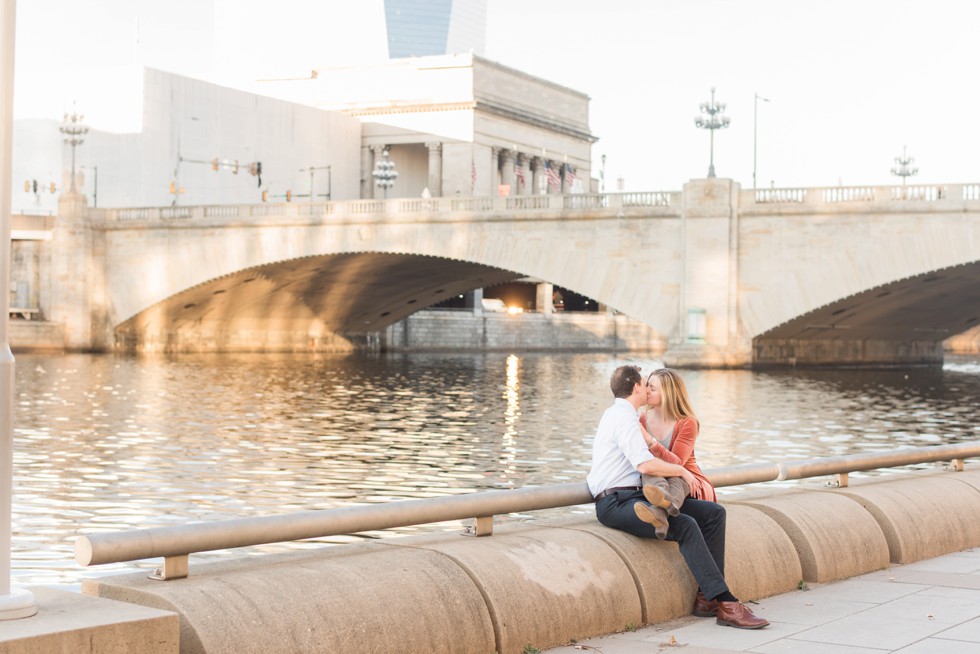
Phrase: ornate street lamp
(384, 173)
(74, 130)
(712, 121)
(904, 169)
(755, 131)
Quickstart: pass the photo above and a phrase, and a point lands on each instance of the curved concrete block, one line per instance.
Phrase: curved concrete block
(658, 571)
(921, 516)
(363, 598)
(544, 586)
(760, 559)
(834, 536)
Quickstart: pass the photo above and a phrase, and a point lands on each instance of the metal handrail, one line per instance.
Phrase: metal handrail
(182, 540)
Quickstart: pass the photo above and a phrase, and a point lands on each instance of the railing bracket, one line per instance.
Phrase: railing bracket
(482, 526)
(957, 465)
(839, 480)
(174, 567)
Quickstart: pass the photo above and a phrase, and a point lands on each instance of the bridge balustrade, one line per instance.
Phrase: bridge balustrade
(771, 198)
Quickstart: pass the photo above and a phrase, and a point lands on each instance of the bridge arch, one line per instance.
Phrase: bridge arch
(902, 321)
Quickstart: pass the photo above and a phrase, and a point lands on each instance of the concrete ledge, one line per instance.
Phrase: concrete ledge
(834, 536)
(921, 516)
(760, 559)
(366, 597)
(549, 581)
(542, 585)
(67, 622)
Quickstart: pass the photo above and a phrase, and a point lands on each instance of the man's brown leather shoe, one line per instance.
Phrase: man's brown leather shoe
(736, 614)
(653, 515)
(703, 607)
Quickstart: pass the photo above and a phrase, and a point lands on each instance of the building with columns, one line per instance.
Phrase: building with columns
(459, 124)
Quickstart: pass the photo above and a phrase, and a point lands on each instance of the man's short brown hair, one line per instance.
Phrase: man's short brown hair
(624, 378)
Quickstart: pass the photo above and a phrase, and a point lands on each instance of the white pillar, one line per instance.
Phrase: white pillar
(545, 292)
(14, 603)
(378, 151)
(435, 169)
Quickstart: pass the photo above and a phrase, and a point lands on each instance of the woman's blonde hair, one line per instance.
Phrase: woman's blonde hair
(676, 404)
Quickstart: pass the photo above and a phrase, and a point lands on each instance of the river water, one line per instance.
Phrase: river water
(106, 443)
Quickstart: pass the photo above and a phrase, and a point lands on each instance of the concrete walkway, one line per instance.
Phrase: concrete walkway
(919, 608)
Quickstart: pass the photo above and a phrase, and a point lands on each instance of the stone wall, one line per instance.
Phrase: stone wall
(484, 331)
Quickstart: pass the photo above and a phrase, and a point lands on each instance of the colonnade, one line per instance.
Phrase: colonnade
(514, 172)
(527, 174)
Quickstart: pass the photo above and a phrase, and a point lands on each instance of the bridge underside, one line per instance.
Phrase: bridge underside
(326, 303)
(901, 323)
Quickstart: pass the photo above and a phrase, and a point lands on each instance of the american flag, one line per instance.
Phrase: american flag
(569, 175)
(519, 171)
(472, 175)
(552, 174)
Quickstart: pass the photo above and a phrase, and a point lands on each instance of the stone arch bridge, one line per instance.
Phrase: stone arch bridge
(723, 276)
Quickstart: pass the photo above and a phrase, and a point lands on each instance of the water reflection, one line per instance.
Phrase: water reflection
(104, 443)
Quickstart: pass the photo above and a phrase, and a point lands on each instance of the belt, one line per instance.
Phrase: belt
(610, 491)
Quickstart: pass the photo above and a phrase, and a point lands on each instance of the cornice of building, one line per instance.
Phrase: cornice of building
(534, 119)
(510, 113)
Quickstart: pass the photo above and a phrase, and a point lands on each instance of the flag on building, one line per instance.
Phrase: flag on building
(519, 172)
(552, 175)
(472, 176)
(569, 175)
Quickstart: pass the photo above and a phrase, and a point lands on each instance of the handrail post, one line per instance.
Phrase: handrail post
(174, 567)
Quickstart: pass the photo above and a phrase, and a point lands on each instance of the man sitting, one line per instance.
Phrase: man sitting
(619, 458)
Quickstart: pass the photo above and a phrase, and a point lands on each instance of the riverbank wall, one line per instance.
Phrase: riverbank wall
(434, 330)
(545, 581)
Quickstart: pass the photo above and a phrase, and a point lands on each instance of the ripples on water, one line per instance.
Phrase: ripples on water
(107, 443)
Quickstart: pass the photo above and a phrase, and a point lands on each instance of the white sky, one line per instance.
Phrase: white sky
(850, 81)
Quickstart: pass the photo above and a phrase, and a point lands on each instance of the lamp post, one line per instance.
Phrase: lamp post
(384, 173)
(14, 603)
(755, 131)
(904, 169)
(602, 175)
(74, 130)
(175, 186)
(711, 121)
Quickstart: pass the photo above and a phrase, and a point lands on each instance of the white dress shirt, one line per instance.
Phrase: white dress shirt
(618, 449)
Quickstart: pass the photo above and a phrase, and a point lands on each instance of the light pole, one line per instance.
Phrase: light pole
(602, 175)
(904, 169)
(384, 173)
(14, 603)
(755, 131)
(176, 183)
(712, 121)
(74, 130)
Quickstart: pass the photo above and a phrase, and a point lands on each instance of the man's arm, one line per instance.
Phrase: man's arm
(659, 468)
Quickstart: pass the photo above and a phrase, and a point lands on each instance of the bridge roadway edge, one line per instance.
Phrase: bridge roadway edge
(544, 582)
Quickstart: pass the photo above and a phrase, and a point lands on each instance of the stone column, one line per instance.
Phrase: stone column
(520, 164)
(507, 169)
(474, 301)
(73, 285)
(556, 169)
(435, 169)
(378, 152)
(494, 169)
(543, 302)
(537, 174)
(367, 165)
